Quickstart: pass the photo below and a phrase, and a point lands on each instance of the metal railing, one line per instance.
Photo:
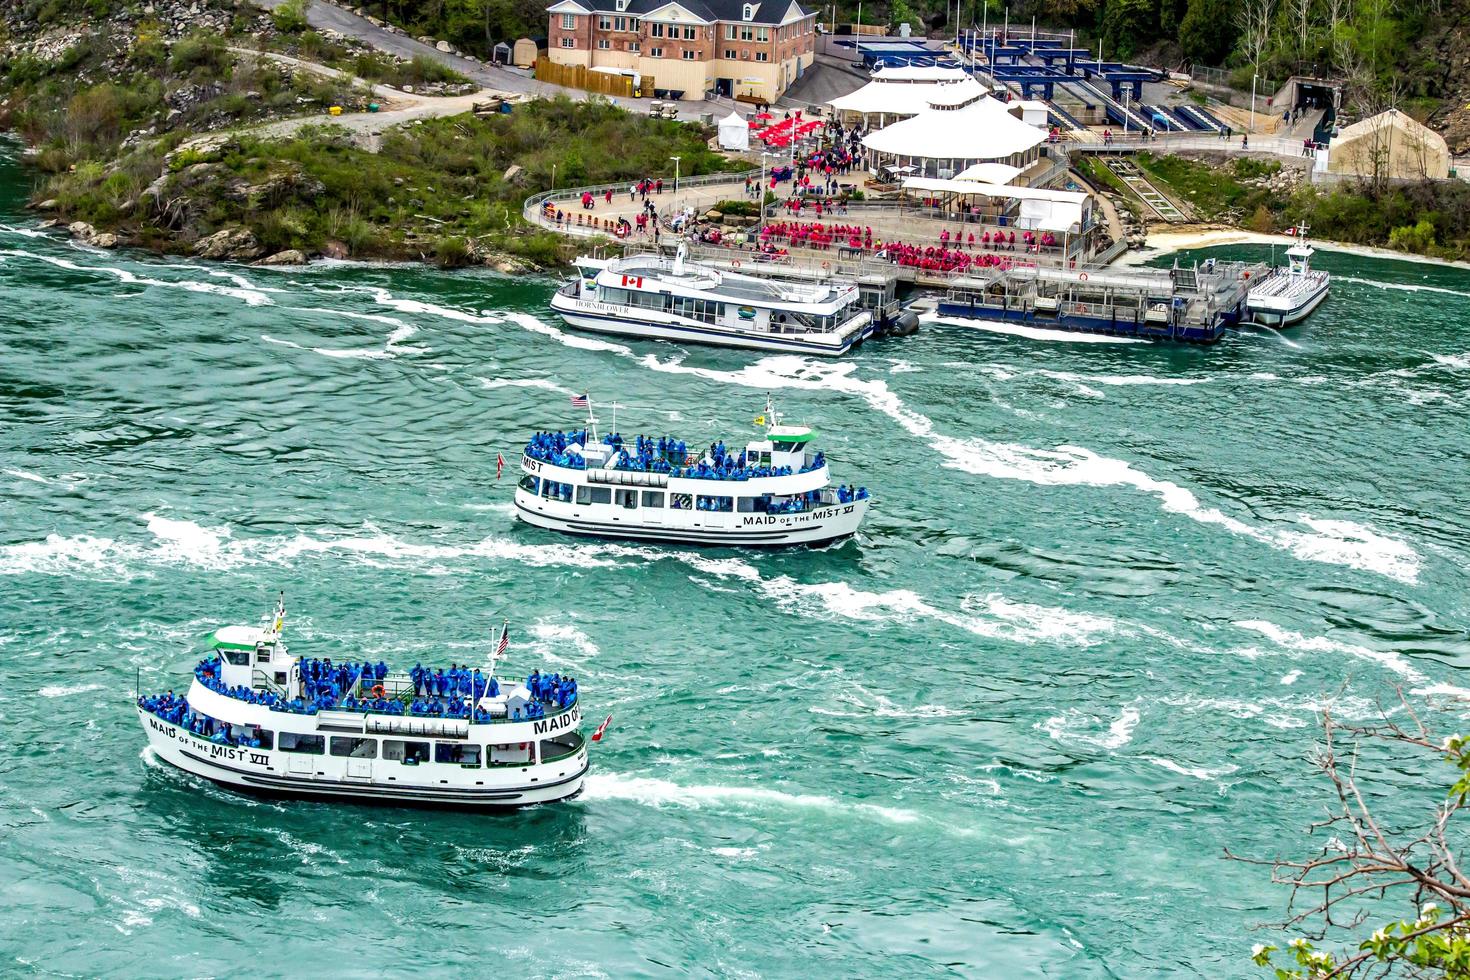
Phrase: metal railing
(531, 210)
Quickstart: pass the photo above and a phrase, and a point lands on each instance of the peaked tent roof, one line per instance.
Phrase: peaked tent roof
(906, 98)
(982, 130)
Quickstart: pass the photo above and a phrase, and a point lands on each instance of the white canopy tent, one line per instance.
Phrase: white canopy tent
(982, 131)
(734, 132)
(1042, 209)
(902, 99)
(919, 73)
(990, 173)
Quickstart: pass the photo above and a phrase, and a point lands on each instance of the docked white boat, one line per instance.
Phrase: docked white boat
(1289, 295)
(657, 297)
(773, 491)
(259, 719)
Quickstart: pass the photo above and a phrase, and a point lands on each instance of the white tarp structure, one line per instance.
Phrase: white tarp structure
(990, 173)
(980, 132)
(904, 98)
(734, 132)
(1041, 209)
(919, 73)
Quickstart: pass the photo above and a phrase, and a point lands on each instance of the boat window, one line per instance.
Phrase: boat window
(355, 748)
(625, 498)
(723, 504)
(309, 744)
(653, 498)
(531, 484)
(265, 737)
(751, 505)
(409, 753)
(682, 501)
(594, 495)
(239, 658)
(454, 754)
(560, 747)
(619, 296)
(513, 753)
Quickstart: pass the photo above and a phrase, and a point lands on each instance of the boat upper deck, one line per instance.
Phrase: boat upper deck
(752, 289)
(664, 455)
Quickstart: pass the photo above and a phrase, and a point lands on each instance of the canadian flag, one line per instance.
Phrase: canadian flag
(499, 465)
(635, 281)
(1291, 231)
(597, 735)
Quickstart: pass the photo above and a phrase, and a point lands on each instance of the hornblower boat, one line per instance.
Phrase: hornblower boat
(663, 298)
(773, 491)
(1289, 295)
(259, 719)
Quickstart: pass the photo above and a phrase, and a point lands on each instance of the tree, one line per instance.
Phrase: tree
(1254, 18)
(1374, 857)
(1207, 32)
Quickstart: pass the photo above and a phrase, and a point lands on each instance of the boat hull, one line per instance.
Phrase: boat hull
(260, 772)
(601, 318)
(1077, 323)
(1272, 315)
(824, 525)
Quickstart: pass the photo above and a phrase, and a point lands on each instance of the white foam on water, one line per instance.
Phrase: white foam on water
(1291, 640)
(28, 232)
(1401, 286)
(385, 298)
(903, 367)
(58, 555)
(251, 297)
(359, 355)
(1031, 333)
(1198, 772)
(564, 634)
(60, 691)
(27, 475)
(1459, 362)
(1344, 542)
(150, 758)
(734, 852)
(870, 702)
(1291, 677)
(1074, 726)
(281, 343)
(577, 341)
(186, 542)
(541, 383)
(661, 793)
(1117, 380)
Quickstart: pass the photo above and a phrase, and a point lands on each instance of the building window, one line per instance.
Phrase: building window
(655, 30)
(730, 54)
(632, 45)
(729, 32)
(603, 44)
(567, 42)
(688, 55)
(690, 34)
(635, 25)
(622, 4)
(762, 56)
(747, 12)
(568, 22)
(747, 33)
(604, 23)
(655, 52)
(762, 33)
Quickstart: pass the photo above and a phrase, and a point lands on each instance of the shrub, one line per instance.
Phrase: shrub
(451, 250)
(738, 208)
(198, 51)
(1418, 238)
(290, 17)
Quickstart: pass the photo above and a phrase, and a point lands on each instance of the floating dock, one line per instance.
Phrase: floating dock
(1194, 304)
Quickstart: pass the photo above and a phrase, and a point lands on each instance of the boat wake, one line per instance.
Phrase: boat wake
(1031, 333)
(663, 793)
(1407, 287)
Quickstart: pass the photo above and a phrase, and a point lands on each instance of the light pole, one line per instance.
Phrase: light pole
(764, 154)
(676, 175)
(1254, 78)
(553, 176)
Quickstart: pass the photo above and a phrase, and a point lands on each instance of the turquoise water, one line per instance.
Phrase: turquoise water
(1079, 647)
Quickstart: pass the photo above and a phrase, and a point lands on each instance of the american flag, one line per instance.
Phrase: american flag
(579, 401)
(499, 465)
(504, 642)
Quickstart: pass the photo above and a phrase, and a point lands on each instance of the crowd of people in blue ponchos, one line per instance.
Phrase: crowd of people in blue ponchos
(437, 693)
(551, 447)
(176, 711)
(849, 493)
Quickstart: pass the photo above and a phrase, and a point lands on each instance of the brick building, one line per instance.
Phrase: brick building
(730, 47)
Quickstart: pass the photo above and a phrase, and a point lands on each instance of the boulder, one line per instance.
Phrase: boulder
(444, 47)
(334, 250)
(290, 256)
(105, 240)
(47, 205)
(48, 223)
(228, 243)
(82, 230)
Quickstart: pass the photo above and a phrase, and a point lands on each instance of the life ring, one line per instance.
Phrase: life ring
(1245, 275)
(734, 263)
(1081, 277)
(1082, 309)
(378, 690)
(826, 265)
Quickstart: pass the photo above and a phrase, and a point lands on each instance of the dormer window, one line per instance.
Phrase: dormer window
(748, 12)
(622, 5)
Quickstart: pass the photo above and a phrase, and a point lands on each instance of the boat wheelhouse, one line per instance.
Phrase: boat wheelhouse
(1288, 296)
(773, 491)
(258, 719)
(662, 298)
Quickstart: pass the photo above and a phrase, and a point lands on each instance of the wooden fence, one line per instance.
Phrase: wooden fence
(582, 77)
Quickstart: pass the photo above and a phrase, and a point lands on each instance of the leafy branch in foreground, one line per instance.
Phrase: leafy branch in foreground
(1369, 859)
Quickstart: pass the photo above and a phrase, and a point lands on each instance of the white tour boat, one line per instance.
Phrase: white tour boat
(1289, 295)
(655, 297)
(771, 492)
(258, 719)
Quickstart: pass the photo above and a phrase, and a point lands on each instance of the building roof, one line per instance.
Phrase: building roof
(889, 98)
(990, 173)
(767, 13)
(1374, 125)
(982, 130)
(1041, 208)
